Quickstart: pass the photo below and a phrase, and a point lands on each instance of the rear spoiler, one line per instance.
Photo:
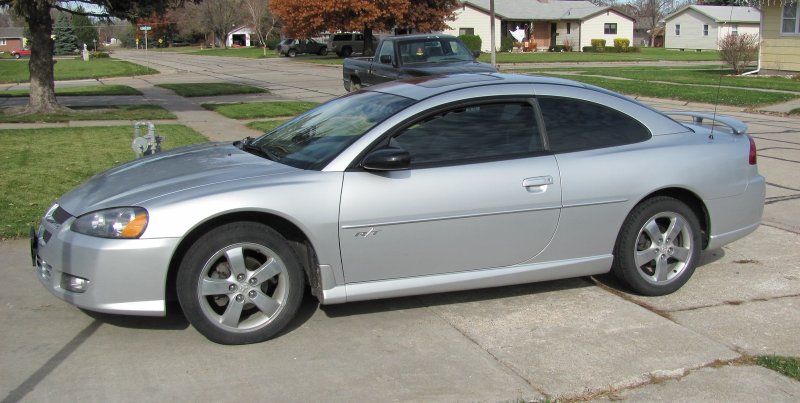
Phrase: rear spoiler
(736, 126)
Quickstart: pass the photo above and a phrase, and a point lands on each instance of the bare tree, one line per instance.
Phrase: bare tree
(260, 19)
(650, 13)
(739, 50)
(221, 17)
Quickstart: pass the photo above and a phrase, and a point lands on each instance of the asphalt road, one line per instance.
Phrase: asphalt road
(581, 338)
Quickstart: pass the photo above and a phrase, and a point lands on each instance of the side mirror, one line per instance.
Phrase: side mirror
(476, 54)
(386, 59)
(387, 159)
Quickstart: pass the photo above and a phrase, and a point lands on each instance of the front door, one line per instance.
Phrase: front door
(481, 193)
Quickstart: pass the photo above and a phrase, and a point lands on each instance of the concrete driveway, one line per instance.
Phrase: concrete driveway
(584, 338)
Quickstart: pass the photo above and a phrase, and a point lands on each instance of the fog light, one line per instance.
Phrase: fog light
(45, 270)
(74, 284)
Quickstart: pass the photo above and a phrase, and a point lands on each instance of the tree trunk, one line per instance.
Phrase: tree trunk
(369, 49)
(42, 98)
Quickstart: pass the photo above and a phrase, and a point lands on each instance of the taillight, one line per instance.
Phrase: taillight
(753, 153)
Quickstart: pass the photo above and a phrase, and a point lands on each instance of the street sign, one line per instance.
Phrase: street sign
(145, 28)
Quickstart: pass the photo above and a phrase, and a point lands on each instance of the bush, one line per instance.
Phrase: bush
(738, 50)
(621, 44)
(99, 55)
(557, 48)
(567, 45)
(506, 44)
(473, 42)
(598, 43)
(587, 49)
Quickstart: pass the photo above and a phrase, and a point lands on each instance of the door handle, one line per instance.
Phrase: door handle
(537, 181)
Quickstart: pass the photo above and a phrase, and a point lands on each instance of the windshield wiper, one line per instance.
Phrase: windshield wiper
(248, 146)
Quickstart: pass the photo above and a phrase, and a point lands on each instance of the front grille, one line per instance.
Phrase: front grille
(61, 215)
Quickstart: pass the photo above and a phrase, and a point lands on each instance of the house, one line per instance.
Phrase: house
(780, 44)
(11, 39)
(547, 23)
(702, 27)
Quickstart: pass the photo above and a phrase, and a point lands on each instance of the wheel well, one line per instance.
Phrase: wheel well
(693, 201)
(297, 240)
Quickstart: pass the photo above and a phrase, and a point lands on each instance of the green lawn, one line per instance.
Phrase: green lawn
(266, 125)
(39, 165)
(211, 89)
(705, 75)
(725, 96)
(258, 110)
(789, 366)
(251, 53)
(646, 54)
(112, 112)
(73, 69)
(82, 90)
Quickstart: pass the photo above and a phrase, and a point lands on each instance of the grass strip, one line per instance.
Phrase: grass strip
(714, 77)
(258, 110)
(249, 53)
(266, 125)
(788, 366)
(725, 96)
(70, 69)
(211, 89)
(39, 165)
(83, 90)
(112, 112)
(646, 54)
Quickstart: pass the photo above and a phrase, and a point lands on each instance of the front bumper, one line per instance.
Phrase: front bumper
(104, 275)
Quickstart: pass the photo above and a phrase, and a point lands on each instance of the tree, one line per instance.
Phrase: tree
(36, 13)
(739, 50)
(261, 20)
(649, 13)
(304, 18)
(84, 28)
(65, 40)
(221, 17)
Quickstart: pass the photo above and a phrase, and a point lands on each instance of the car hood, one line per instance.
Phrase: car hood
(140, 180)
(449, 68)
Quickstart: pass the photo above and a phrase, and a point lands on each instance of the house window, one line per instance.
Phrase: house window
(466, 31)
(2, 42)
(705, 30)
(790, 23)
(569, 28)
(610, 28)
(735, 30)
(677, 29)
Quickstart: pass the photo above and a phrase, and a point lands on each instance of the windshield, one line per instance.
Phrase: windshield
(314, 138)
(434, 50)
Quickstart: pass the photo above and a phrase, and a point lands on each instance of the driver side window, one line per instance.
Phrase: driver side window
(472, 133)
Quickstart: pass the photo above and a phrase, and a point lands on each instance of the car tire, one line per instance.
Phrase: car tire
(17, 56)
(323, 51)
(240, 283)
(347, 51)
(658, 246)
(291, 53)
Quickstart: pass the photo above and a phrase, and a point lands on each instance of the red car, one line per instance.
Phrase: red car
(20, 53)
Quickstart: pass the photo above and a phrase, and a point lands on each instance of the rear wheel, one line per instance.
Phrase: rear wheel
(240, 283)
(658, 247)
(355, 85)
(347, 51)
(323, 51)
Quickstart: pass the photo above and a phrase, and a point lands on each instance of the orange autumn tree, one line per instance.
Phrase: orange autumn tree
(305, 18)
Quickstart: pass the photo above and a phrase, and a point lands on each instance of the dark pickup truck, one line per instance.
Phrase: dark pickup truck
(399, 57)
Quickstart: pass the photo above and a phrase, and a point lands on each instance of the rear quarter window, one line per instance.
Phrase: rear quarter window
(576, 125)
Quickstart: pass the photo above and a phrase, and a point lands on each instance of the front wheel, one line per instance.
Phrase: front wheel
(658, 246)
(291, 53)
(17, 56)
(355, 85)
(240, 283)
(323, 51)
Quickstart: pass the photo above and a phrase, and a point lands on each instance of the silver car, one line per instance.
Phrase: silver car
(427, 185)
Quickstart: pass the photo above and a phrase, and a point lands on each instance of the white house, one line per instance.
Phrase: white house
(547, 23)
(702, 27)
(239, 36)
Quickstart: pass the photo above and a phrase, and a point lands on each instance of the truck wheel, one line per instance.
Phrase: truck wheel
(347, 51)
(291, 53)
(323, 51)
(355, 85)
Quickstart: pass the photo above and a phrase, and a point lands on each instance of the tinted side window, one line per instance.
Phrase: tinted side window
(489, 131)
(574, 125)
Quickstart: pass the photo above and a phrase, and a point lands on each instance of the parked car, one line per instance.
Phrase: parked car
(20, 53)
(398, 57)
(292, 47)
(418, 186)
(348, 43)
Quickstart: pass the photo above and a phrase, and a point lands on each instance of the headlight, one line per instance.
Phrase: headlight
(123, 222)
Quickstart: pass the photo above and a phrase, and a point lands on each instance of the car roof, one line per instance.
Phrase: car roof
(427, 86)
(418, 36)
